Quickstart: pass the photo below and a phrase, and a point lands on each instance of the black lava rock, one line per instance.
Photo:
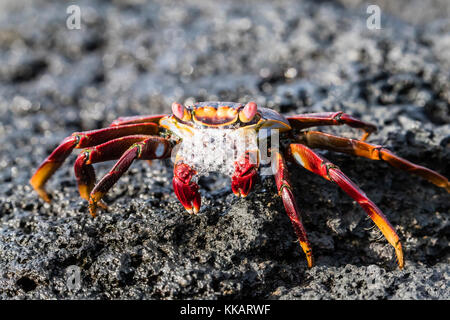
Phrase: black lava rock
(137, 57)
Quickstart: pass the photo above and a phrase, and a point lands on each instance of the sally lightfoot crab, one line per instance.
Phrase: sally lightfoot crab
(227, 137)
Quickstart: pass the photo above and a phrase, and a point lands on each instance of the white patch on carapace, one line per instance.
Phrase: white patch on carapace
(215, 149)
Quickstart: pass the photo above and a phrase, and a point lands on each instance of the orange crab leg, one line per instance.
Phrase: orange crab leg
(51, 164)
(82, 140)
(111, 150)
(148, 149)
(315, 139)
(285, 191)
(308, 120)
(307, 158)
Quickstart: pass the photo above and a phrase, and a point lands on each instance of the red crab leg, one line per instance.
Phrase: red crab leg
(111, 150)
(137, 119)
(185, 189)
(245, 173)
(315, 139)
(150, 148)
(308, 120)
(82, 140)
(321, 166)
(285, 191)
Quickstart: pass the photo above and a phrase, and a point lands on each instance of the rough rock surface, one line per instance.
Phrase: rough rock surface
(133, 57)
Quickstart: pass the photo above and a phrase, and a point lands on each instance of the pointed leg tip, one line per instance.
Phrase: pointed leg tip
(93, 208)
(310, 261)
(399, 254)
(308, 253)
(102, 205)
(95, 201)
(84, 191)
(43, 194)
(401, 263)
(93, 211)
(46, 197)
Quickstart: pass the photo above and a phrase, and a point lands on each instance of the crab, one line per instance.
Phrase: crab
(196, 136)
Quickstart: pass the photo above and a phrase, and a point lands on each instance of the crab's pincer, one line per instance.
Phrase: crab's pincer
(186, 190)
(245, 174)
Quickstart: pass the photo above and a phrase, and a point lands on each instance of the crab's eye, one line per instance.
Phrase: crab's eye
(248, 112)
(180, 112)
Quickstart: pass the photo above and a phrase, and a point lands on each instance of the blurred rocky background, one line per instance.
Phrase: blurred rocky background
(137, 57)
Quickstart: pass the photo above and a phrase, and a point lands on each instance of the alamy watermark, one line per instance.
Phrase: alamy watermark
(73, 21)
(73, 278)
(373, 22)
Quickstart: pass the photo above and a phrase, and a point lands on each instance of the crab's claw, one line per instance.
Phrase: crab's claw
(245, 174)
(186, 190)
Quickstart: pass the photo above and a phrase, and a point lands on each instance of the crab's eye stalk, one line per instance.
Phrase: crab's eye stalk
(248, 112)
(181, 112)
